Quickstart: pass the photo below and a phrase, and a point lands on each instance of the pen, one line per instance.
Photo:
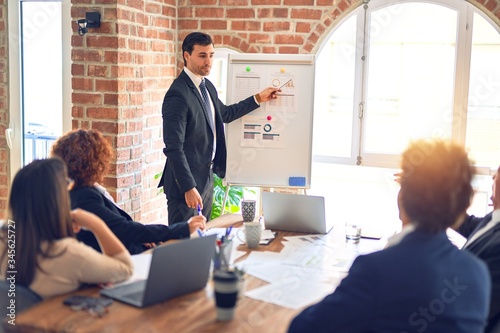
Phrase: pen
(228, 230)
(284, 84)
(199, 231)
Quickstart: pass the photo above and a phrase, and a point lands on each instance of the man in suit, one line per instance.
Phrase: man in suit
(483, 240)
(193, 131)
(423, 283)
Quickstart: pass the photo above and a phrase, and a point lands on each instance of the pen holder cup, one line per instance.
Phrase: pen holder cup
(222, 257)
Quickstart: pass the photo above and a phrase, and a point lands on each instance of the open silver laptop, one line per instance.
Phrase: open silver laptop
(294, 212)
(176, 269)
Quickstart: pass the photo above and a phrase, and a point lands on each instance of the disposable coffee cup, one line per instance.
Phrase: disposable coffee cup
(226, 294)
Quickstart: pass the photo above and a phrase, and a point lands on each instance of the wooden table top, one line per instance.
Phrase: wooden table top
(194, 312)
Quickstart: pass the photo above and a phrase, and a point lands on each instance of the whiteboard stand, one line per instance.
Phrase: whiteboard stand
(225, 199)
(272, 145)
(228, 186)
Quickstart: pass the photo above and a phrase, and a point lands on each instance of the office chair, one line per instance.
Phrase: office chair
(24, 299)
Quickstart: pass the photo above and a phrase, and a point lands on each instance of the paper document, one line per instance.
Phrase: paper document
(141, 263)
(292, 293)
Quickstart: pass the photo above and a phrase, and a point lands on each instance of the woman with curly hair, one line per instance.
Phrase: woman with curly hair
(88, 157)
(48, 258)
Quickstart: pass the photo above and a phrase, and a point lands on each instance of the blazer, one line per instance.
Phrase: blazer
(422, 284)
(132, 234)
(188, 136)
(487, 248)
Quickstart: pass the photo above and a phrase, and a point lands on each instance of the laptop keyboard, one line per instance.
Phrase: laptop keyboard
(136, 296)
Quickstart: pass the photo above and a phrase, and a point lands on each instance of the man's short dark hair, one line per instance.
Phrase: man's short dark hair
(195, 38)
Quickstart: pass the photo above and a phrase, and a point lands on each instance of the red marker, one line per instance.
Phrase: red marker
(269, 117)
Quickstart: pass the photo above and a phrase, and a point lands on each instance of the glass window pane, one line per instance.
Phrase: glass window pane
(410, 75)
(483, 116)
(334, 93)
(218, 73)
(41, 76)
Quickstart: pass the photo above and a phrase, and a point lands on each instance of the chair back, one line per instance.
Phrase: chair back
(23, 298)
(493, 326)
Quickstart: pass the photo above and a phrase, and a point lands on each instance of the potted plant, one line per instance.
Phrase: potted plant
(234, 196)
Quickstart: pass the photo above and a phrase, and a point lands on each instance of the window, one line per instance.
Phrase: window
(39, 95)
(218, 73)
(483, 113)
(396, 71)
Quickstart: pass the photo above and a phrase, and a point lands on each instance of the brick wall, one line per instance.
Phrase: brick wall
(121, 71)
(159, 57)
(120, 74)
(275, 26)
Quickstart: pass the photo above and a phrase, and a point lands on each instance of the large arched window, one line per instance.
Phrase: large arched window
(396, 71)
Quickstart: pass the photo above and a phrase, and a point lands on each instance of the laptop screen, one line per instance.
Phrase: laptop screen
(294, 212)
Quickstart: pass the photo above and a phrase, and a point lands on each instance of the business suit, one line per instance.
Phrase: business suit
(188, 139)
(132, 234)
(422, 284)
(487, 248)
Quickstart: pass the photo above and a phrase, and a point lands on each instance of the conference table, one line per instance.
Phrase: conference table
(194, 312)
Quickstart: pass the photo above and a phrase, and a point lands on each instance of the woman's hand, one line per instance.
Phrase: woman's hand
(85, 220)
(109, 243)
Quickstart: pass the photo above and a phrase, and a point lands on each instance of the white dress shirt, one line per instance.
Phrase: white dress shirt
(197, 81)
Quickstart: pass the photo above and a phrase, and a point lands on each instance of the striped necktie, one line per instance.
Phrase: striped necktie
(206, 103)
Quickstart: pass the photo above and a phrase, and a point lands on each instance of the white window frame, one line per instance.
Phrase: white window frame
(15, 90)
(465, 14)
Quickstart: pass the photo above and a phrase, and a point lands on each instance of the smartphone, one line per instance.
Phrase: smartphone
(81, 301)
(267, 241)
(369, 235)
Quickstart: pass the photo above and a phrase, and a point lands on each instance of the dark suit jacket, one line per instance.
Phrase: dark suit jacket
(423, 284)
(132, 234)
(487, 248)
(188, 136)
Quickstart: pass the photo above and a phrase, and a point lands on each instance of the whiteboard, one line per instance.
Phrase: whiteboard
(274, 142)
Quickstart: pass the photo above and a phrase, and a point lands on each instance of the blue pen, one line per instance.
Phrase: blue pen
(199, 232)
(228, 230)
(199, 209)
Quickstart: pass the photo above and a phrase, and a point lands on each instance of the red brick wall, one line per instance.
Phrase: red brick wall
(121, 71)
(120, 74)
(159, 58)
(275, 26)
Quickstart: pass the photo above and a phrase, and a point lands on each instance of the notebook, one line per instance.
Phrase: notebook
(176, 269)
(294, 212)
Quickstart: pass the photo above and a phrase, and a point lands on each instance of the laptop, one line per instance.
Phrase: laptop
(294, 212)
(176, 269)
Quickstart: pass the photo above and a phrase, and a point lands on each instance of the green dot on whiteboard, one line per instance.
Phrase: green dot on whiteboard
(248, 69)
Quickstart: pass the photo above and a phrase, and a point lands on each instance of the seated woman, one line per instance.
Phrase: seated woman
(422, 283)
(48, 258)
(88, 156)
